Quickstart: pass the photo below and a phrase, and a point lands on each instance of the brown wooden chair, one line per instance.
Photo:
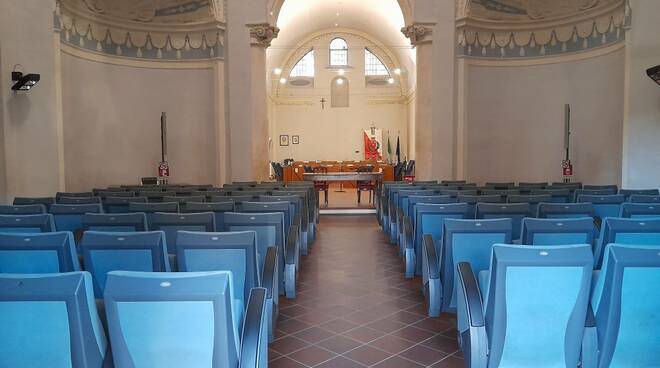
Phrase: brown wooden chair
(365, 185)
(321, 186)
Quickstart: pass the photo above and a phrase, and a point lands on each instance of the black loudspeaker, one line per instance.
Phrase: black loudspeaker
(654, 73)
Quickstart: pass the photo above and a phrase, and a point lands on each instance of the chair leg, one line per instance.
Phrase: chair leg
(358, 193)
(326, 196)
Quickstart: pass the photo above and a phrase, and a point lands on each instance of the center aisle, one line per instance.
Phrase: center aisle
(355, 309)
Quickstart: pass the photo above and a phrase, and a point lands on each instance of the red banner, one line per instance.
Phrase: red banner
(371, 147)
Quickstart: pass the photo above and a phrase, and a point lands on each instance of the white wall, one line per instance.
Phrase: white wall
(30, 145)
(642, 129)
(112, 123)
(515, 120)
(337, 133)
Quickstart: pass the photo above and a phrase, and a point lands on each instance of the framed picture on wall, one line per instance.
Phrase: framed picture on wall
(295, 139)
(284, 140)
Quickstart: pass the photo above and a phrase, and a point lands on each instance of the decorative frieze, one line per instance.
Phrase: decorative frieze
(262, 34)
(418, 33)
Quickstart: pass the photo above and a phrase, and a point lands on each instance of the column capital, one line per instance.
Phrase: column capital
(262, 34)
(419, 33)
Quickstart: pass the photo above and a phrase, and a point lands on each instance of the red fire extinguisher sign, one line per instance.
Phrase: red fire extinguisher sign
(164, 169)
(568, 168)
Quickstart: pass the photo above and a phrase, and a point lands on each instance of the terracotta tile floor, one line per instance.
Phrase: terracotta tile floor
(355, 309)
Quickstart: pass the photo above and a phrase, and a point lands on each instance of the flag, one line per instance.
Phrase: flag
(389, 149)
(398, 151)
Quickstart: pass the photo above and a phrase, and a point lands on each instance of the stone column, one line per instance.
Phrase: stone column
(435, 102)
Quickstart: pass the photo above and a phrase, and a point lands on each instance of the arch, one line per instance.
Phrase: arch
(304, 67)
(274, 7)
(373, 66)
(339, 92)
(338, 52)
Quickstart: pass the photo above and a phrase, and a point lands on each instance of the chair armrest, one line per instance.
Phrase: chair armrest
(392, 209)
(433, 268)
(591, 320)
(399, 215)
(254, 335)
(471, 294)
(269, 278)
(408, 232)
(291, 245)
(589, 354)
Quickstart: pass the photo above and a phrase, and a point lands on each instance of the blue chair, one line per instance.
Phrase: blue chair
(455, 193)
(218, 209)
(605, 205)
(116, 251)
(514, 211)
(558, 195)
(50, 320)
(151, 208)
(629, 192)
(500, 185)
(309, 212)
(558, 231)
(625, 302)
(171, 223)
(533, 201)
(156, 196)
(638, 232)
(453, 182)
(401, 211)
(270, 233)
(38, 253)
(472, 201)
(528, 310)
(429, 219)
(120, 204)
(384, 202)
(187, 319)
(570, 186)
(528, 187)
(638, 198)
(68, 217)
(565, 210)
(183, 200)
(46, 201)
(237, 199)
(60, 195)
(640, 210)
(43, 223)
(106, 193)
(300, 219)
(593, 192)
(236, 252)
(463, 241)
(408, 231)
(115, 222)
(24, 209)
(504, 193)
(79, 200)
(611, 187)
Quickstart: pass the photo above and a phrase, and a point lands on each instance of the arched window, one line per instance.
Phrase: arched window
(373, 65)
(338, 52)
(339, 92)
(305, 66)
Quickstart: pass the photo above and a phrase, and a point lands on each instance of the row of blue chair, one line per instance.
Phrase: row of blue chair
(153, 320)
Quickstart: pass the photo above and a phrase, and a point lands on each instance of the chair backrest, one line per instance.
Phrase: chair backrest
(268, 226)
(626, 302)
(533, 201)
(189, 319)
(46, 201)
(452, 182)
(50, 320)
(403, 196)
(171, 223)
(528, 282)
(59, 195)
(456, 193)
(286, 208)
(38, 253)
(43, 223)
(468, 241)
(640, 210)
(23, 209)
(558, 231)
(501, 186)
(151, 208)
(640, 198)
(79, 200)
(501, 192)
(593, 192)
(472, 201)
(532, 185)
(429, 199)
(565, 210)
(120, 204)
(558, 195)
(639, 232)
(430, 218)
(237, 199)
(155, 197)
(610, 187)
(218, 209)
(245, 183)
(604, 205)
(630, 192)
(133, 251)
(183, 200)
(514, 211)
(68, 217)
(228, 251)
(113, 193)
(570, 186)
(115, 222)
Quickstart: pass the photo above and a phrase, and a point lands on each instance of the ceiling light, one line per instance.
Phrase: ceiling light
(277, 71)
(282, 80)
(336, 24)
(24, 82)
(390, 81)
(337, 14)
(340, 81)
(341, 71)
(397, 71)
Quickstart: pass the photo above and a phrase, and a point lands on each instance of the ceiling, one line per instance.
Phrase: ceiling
(530, 10)
(150, 11)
